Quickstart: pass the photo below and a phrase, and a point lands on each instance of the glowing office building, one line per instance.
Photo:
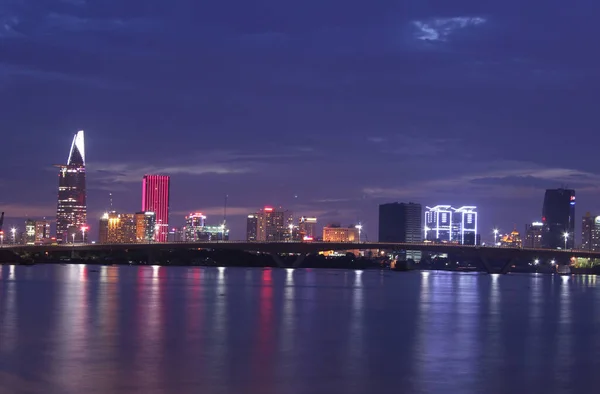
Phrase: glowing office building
(307, 228)
(155, 198)
(443, 223)
(71, 211)
(194, 225)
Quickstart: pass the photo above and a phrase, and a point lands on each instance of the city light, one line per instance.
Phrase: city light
(359, 227)
(566, 236)
(496, 237)
(83, 230)
(13, 231)
(536, 261)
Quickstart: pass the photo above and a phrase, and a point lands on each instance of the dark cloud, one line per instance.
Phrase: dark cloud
(328, 100)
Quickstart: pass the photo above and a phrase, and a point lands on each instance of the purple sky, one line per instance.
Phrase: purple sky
(325, 107)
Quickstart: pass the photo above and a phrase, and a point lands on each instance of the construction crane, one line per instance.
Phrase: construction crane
(1, 223)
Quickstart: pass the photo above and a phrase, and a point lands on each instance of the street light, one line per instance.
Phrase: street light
(83, 229)
(359, 227)
(73, 238)
(566, 236)
(1, 238)
(536, 261)
(13, 231)
(496, 237)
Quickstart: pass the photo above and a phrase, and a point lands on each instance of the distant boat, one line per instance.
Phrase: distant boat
(400, 265)
(564, 270)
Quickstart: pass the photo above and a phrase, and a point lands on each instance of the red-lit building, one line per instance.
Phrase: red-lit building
(155, 198)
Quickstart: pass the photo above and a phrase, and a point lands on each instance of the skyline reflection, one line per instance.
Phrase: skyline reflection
(123, 329)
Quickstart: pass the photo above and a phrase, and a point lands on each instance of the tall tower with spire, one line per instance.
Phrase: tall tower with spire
(71, 211)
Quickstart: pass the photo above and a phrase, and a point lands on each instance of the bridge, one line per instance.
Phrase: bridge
(485, 254)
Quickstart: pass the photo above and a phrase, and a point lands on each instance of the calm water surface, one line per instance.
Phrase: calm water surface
(89, 329)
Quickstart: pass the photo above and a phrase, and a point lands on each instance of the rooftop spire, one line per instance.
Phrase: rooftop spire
(77, 152)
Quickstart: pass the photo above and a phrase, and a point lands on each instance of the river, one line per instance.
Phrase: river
(121, 329)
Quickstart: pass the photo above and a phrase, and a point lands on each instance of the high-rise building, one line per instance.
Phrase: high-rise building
(533, 235)
(121, 228)
(155, 198)
(252, 228)
(337, 233)
(273, 224)
(590, 232)
(438, 223)
(443, 223)
(103, 229)
(145, 227)
(194, 225)
(29, 235)
(558, 217)
(42, 231)
(400, 222)
(71, 212)
(307, 228)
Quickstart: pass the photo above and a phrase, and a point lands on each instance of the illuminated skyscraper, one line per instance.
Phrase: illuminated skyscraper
(446, 224)
(273, 224)
(71, 212)
(155, 198)
(558, 217)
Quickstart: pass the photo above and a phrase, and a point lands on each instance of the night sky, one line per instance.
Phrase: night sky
(326, 107)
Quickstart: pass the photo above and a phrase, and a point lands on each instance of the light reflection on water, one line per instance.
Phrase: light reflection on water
(71, 329)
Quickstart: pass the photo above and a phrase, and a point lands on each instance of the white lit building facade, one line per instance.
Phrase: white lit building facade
(444, 223)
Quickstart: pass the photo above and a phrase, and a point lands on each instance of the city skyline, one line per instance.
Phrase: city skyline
(156, 196)
(300, 105)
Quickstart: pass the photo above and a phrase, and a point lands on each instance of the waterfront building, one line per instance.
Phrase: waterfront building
(103, 229)
(71, 212)
(273, 224)
(145, 227)
(155, 198)
(533, 235)
(511, 240)
(337, 233)
(558, 218)
(121, 228)
(590, 233)
(194, 225)
(401, 222)
(42, 231)
(307, 228)
(213, 233)
(29, 234)
(252, 227)
(443, 223)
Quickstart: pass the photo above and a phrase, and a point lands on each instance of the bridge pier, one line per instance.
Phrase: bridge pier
(490, 270)
(508, 265)
(151, 256)
(296, 264)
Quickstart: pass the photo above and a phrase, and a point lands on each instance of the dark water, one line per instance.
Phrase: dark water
(68, 329)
